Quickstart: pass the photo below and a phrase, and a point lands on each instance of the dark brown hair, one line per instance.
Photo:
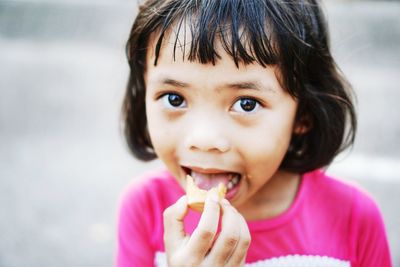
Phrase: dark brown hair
(289, 34)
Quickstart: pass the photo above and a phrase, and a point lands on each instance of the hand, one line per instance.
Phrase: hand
(204, 247)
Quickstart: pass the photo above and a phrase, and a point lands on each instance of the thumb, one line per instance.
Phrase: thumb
(174, 232)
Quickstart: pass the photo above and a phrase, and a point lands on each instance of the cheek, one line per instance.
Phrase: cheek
(267, 139)
(156, 126)
(264, 148)
(266, 151)
(164, 145)
(162, 131)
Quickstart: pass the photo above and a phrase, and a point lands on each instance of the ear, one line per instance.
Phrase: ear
(302, 125)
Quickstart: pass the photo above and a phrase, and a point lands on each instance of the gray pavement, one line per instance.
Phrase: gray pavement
(63, 163)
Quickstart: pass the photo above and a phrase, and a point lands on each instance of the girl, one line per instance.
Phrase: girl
(243, 92)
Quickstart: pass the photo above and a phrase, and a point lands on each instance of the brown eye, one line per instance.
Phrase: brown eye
(172, 100)
(246, 105)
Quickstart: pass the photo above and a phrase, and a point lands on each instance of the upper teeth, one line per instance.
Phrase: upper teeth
(233, 182)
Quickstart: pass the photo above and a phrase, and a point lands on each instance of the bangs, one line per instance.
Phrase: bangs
(198, 28)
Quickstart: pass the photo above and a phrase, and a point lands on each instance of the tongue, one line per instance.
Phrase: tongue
(208, 181)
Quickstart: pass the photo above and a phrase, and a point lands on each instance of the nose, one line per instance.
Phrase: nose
(207, 136)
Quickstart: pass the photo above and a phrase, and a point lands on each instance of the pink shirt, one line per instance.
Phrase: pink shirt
(330, 223)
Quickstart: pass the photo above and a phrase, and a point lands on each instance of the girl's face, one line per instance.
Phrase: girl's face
(218, 123)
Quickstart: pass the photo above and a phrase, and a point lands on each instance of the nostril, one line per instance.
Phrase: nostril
(223, 145)
(216, 148)
(207, 144)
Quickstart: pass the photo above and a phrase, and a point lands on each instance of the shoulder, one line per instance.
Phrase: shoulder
(140, 227)
(353, 213)
(347, 199)
(342, 200)
(142, 203)
(151, 188)
(339, 192)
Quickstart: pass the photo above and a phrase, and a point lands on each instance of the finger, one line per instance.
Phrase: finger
(238, 256)
(203, 236)
(174, 232)
(229, 237)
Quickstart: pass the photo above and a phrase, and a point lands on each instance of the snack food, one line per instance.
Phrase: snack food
(196, 196)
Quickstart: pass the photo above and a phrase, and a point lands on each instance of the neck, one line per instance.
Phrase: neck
(274, 198)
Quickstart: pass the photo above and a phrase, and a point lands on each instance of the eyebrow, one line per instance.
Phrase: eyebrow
(246, 85)
(253, 85)
(174, 83)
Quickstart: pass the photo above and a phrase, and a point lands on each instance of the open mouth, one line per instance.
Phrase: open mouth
(209, 178)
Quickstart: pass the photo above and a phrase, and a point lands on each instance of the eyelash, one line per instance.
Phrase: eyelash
(166, 98)
(239, 100)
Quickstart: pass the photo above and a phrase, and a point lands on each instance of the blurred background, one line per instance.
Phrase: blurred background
(63, 161)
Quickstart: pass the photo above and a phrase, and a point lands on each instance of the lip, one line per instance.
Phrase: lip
(208, 170)
(232, 193)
